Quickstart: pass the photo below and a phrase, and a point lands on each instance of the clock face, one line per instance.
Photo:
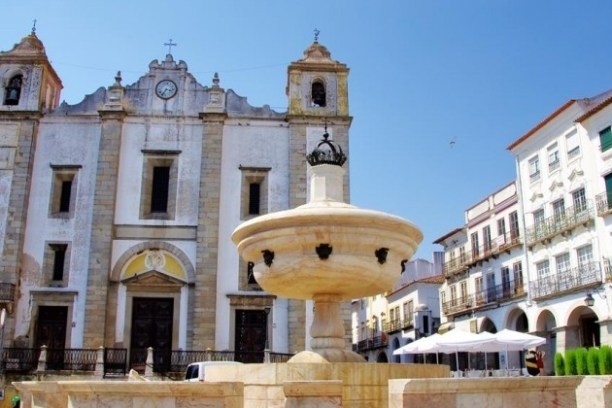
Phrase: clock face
(165, 89)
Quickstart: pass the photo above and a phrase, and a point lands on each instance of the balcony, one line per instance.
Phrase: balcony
(572, 280)
(484, 298)
(492, 249)
(603, 202)
(374, 339)
(559, 224)
(459, 305)
(397, 325)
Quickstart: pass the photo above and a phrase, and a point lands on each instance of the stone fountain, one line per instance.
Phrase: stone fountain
(327, 251)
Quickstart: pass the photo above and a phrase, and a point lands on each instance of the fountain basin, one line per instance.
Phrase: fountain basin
(326, 247)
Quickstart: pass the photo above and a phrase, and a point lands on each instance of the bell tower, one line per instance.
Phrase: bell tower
(317, 91)
(317, 84)
(28, 82)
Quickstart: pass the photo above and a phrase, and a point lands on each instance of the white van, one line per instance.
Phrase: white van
(197, 371)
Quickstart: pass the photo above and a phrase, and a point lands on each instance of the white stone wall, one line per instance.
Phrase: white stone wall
(56, 145)
(248, 143)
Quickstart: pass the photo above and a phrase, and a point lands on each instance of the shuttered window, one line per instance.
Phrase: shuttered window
(605, 137)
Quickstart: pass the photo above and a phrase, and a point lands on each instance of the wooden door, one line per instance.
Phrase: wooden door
(51, 332)
(251, 335)
(152, 321)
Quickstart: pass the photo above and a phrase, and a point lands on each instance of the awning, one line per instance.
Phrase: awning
(444, 327)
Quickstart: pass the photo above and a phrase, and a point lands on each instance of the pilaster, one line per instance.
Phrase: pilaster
(96, 334)
(20, 173)
(202, 321)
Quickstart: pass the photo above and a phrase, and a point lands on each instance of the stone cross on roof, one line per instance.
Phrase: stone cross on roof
(170, 44)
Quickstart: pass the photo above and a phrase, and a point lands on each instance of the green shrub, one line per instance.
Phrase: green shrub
(559, 364)
(581, 361)
(593, 361)
(570, 362)
(605, 360)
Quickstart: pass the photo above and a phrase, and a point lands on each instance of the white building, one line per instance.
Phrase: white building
(485, 286)
(116, 212)
(563, 168)
(534, 256)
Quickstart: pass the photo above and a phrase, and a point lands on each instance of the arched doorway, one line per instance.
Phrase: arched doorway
(582, 329)
(396, 344)
(152, 284)
(382, 357)
(545, 325)
(517, 320)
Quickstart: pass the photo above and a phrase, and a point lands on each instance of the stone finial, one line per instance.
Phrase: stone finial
(118, 79)
(215, 80)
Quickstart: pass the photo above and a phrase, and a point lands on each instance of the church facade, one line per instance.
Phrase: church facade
(116, 213)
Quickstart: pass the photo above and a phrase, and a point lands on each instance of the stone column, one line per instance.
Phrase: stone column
(605, 331)
(103, 215)
(567, 338)
(207, 235)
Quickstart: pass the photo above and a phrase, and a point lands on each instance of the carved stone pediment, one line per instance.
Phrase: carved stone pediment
(535, 196)
(575, 173)
(153, 278)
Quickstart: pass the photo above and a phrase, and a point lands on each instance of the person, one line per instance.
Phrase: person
(540, 362)
(531, 362)
(16, 401)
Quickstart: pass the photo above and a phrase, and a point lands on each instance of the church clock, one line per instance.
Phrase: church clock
(165, 89)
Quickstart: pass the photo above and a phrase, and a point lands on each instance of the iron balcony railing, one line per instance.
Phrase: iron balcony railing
(71, 359)
(176, 361)
(571, 280)
(19, 360)
(396, 325)
(559, 224)
(603, 202)
(372, 339)
(492, 248)
(114, 361)
(493, 295)
(459, 305)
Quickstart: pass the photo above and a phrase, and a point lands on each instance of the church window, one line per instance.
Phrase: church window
(254, 198)
(254, 191)
(63, 190)
(159, 189)
(55, 263)
(159, 184)
(12, 91)
(318, 94)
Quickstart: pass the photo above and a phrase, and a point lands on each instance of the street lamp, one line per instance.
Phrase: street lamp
(589, 300)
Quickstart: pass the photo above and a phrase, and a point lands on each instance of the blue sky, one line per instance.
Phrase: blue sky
(423, 73)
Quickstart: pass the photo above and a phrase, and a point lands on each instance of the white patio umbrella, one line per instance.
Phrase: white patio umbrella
(511, 340)
(454, 341)
(423, 345)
